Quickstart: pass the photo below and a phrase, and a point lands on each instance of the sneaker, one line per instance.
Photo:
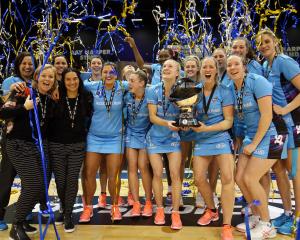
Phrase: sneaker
(69, 225)
(29, 229)
(136, 209)
(86, 214)
(17, 232)
(59, 220)
(199, 203)
(176, 221)
(115, 213)
(216, 200)
(226, 233)
(160, 216)
(263, 230)
(169, 199)
(253, 221)
(3, 225)
(243, 211)
(102, 200)
(208, 217)
(130, 200)
(282, 219)
(120, 201)
(147, 211)
(286, 228)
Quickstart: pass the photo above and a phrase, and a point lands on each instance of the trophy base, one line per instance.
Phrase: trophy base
(186, 122)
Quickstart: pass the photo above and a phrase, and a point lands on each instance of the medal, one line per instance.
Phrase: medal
(239, 99)
(205, 117)
(43, 109)
(135, 110)
(72, 113)
(164, 104)
(108, 104)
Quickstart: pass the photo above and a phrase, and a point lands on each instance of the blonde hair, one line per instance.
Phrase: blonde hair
(37, 73)
(195, 59)
(267, 31)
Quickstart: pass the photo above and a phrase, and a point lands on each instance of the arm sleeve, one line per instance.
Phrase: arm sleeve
(289, 67)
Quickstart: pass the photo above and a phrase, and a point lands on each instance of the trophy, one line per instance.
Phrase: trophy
(185, 95)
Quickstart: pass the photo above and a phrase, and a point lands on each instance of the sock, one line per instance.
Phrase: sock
(288, 213)
(169, 189)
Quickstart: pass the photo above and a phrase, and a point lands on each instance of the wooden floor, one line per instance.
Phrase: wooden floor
(117, 232)
(90, 232)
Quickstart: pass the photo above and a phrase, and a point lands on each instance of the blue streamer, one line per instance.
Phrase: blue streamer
(298, 229)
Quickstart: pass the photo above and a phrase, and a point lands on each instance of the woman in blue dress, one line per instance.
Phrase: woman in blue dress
(284, 74)
(105, 139)
(137, 126)
(265, 139)
(213, 143)
(163, 138)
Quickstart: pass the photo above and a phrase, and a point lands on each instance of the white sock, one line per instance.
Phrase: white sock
(288, 213)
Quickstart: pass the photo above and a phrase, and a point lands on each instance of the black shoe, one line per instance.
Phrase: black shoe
(29, 229)
(17, 232)
(69, 225)
(59, 220)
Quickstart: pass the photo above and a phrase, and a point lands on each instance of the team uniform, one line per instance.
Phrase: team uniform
(137, 121)
(283, 70)
(161, 139)
(255, 67)
(274, 143)
(216, 142)
(106, 133)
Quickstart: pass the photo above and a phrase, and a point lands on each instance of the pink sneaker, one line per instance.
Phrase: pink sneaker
(130, 200)
(102, 200)
(208, 217)
(176, 221)
(86, 214)
(147, 211)
(115, 213)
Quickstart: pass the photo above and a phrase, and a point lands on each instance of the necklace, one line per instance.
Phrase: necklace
(43, 109)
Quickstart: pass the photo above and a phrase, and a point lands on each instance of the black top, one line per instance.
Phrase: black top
(61, 129)
(21, 121)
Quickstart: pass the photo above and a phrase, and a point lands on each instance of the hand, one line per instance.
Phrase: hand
(28, 105)
(237, 144)
(172, 127)
(55, 95)
(249, 149)
(19, 87)
(201, 128)
(279, 110)
(130, 41)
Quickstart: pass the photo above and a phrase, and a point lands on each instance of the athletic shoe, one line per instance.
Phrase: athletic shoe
(86, 214)
(17, 232)
(282, 219)
(160, 216)
(115, 213)
(176, 221)
(102, 200)
(136, 209)
(29, 229)
(287, 227)
(169, 199)
(120, 201)
(3, 225)
(199, 203)
(208, 217)
(130, 200)
(226, 233)
(253, 221)
(147, 211)
(69, 225)
(263, 230)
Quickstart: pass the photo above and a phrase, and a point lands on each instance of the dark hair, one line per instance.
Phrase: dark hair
(60, 55)
(250, 52)
(173, 54)
(97, 57)
(85, 98)
(19, 60)
(141, 75)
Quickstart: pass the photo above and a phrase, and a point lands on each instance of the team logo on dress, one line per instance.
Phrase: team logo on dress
(215, 99)
(279, 140)
(297, 127)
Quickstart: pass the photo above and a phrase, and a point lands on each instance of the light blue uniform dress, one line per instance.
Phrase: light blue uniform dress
(283, 70)
(273, 144)
(137, 121)
(106, 133)
(216, 142)
(255, 67)
(161, 139)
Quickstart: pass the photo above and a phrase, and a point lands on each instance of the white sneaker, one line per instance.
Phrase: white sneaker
(263, 230)
(216, 200)
(253, 222)
(199, 201)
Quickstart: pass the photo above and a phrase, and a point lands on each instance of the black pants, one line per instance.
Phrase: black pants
(7, 175)
(66, 160)
(26, 159)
